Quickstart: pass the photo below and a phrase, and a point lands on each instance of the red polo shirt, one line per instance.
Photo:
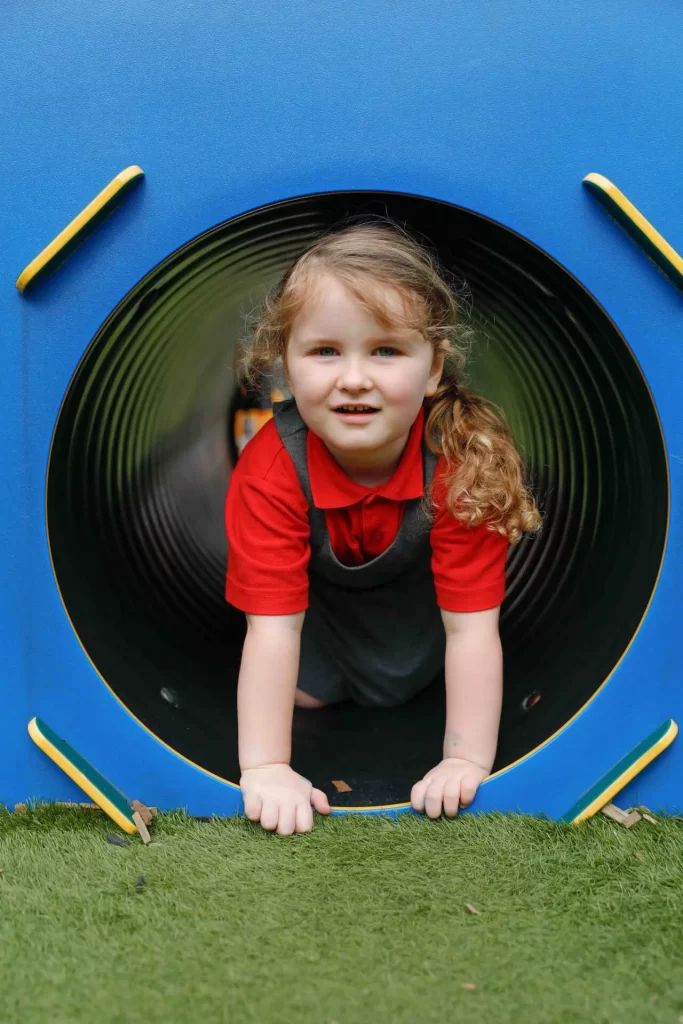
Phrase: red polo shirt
(266, 518)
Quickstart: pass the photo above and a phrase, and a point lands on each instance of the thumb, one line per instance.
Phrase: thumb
(320, 801)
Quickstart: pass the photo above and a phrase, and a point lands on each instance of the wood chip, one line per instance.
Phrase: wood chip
(145, 812)
(472, 909)
(141, 827)
(341, 786)
(468, 986)
(74, 803)
(648, 817)
(637, 853)
(620, 816)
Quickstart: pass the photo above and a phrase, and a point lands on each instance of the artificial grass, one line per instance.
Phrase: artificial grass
(361, 920)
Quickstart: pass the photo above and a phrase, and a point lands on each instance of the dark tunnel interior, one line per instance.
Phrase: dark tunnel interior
(142, 453)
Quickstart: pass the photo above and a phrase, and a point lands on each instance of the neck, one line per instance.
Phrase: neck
(371, 469)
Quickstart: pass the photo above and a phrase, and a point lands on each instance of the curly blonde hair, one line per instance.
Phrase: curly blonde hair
(484, 478)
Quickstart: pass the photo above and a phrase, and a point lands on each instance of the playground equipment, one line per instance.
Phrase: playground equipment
(256, 129)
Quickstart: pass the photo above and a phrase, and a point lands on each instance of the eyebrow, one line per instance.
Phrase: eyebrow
(335, 341)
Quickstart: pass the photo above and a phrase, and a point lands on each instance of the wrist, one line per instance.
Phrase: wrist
(455, 745)
(471, 759)
(249, 766)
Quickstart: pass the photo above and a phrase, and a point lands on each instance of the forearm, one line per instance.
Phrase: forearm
(265, 690)
(474, 689)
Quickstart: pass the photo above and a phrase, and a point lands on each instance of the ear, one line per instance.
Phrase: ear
(437, 370)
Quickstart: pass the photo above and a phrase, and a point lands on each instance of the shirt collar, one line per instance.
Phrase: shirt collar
(332, 488)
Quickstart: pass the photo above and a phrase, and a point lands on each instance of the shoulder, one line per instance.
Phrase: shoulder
(266, 458)
(265, 480)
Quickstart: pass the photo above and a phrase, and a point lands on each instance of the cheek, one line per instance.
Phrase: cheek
(307, 379)
(408, 387)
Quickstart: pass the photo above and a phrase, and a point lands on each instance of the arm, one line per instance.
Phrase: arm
(474, 678)
(274, 793)
(474, 686)
(267, 682)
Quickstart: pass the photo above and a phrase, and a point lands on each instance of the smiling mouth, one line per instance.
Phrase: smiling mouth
(355, 408)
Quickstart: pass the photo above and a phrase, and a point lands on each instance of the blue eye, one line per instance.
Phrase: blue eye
(386, 350)
(325, 350)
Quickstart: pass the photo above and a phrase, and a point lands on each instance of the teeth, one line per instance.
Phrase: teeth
(356, 408)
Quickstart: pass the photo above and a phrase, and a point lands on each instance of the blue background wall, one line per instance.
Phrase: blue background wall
(501, 107)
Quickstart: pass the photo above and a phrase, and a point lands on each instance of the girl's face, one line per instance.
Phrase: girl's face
(358, 386)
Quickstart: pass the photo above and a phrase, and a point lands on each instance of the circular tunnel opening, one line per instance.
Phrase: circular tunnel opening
(142, 454)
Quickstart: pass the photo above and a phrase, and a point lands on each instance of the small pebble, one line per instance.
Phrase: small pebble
(117, 840)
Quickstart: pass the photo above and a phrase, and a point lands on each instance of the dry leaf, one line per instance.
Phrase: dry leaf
(20, 808)
(468, 986)
(145, 812)
(472, 909)
(341, 786)
(637, 853)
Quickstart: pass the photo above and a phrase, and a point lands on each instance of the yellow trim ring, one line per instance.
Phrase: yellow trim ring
(403, 805)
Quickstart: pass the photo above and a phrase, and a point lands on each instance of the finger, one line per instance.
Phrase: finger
(286, 819)
(417, 796)
(252, 807)
(304, 817)
(320, 801)
(434, 798)
(468, 787)
(451, 798)
(269, 815)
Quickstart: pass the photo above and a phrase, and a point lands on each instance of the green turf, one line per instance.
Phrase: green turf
(361, 921)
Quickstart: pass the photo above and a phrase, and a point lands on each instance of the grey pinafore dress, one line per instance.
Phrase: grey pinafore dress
(372, 633)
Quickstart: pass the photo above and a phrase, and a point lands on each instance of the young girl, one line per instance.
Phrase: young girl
(368, 521)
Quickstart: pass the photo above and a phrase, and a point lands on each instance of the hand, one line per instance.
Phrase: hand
(281, 799)
(450, 785)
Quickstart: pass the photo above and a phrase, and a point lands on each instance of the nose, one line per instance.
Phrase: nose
(353, 374)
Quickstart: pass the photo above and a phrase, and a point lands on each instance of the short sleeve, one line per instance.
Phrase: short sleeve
(266, 522)
(468, 564)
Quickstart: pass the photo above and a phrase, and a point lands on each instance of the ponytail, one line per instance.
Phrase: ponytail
(483, 477)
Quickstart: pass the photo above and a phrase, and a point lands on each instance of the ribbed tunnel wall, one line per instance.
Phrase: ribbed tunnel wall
(141, 459)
